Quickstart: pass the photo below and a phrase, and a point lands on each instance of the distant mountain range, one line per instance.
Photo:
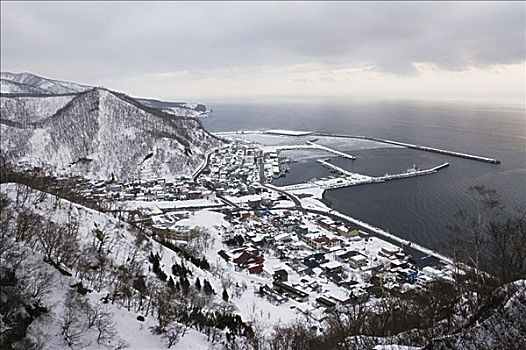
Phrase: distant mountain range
(71, 129)
(28, 83)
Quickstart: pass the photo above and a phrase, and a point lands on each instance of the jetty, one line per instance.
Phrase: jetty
(282, 132)
(334, 168)
(353, 179)
(411, 173)
(418, 147)
(331, 150)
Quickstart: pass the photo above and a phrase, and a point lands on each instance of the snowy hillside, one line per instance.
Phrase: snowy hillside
(27, 83)
(501, 323)
(103, 250)
(27, 109)
(31, 83)
(11, 87)
(100, 134)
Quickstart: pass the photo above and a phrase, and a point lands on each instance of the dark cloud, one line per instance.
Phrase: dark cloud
(91, 40)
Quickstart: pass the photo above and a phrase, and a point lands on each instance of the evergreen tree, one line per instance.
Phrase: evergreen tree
(225, 295)
(198, 284)
(171, 283)
(208, 288)
(185, 284)
(204, 264)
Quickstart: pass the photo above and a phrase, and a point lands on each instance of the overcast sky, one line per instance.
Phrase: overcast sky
(199, 50)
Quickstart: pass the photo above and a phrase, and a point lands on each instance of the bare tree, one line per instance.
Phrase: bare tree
(104, 325)
(293, 337)
(173, 332)
(74, 325)
(470, 229)
(27, 223)
(60, 243)
(507, 242)
(490, 241)
(202, 239)
(37, 282)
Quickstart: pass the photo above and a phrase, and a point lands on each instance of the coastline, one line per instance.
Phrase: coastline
(414, 248)
(388, 236)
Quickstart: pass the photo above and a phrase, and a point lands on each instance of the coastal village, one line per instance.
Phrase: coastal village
(289, 246)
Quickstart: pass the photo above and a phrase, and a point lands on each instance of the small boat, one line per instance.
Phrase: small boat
(412, 169)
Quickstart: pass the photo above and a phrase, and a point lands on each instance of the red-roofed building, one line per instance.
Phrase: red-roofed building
(247, 258)
(255, 268)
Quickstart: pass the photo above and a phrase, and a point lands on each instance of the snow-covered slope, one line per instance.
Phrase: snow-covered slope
(100, 134)
(31, 83)
(11, 87)
(500, 325)
(27, 83)
(120, 248)
(27, 109)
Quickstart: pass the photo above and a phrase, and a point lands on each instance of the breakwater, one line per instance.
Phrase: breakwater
(422, 148)
(331, 150)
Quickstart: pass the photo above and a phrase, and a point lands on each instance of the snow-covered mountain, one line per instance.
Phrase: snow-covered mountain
(100, 134)
(27, 83)
(31, 83)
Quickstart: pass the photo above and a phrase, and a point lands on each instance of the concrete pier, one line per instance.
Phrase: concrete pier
(328, 149)
(412, 173)
(334, 167)
(422, 148)
(353, 179)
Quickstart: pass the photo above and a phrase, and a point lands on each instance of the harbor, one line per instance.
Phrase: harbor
(418, 147)
(291, 230)
(291, 133)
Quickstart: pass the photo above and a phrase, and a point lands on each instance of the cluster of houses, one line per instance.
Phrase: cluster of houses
(238, 168)
(232, 170)
(247, 257)
(273, 167)
(312, 257)
(181, 188)
(306, 257)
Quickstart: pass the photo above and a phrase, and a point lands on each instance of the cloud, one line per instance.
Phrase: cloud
(96, 41)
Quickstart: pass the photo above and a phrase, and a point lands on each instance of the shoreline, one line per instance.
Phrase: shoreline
(377, 231)
(386, 235)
